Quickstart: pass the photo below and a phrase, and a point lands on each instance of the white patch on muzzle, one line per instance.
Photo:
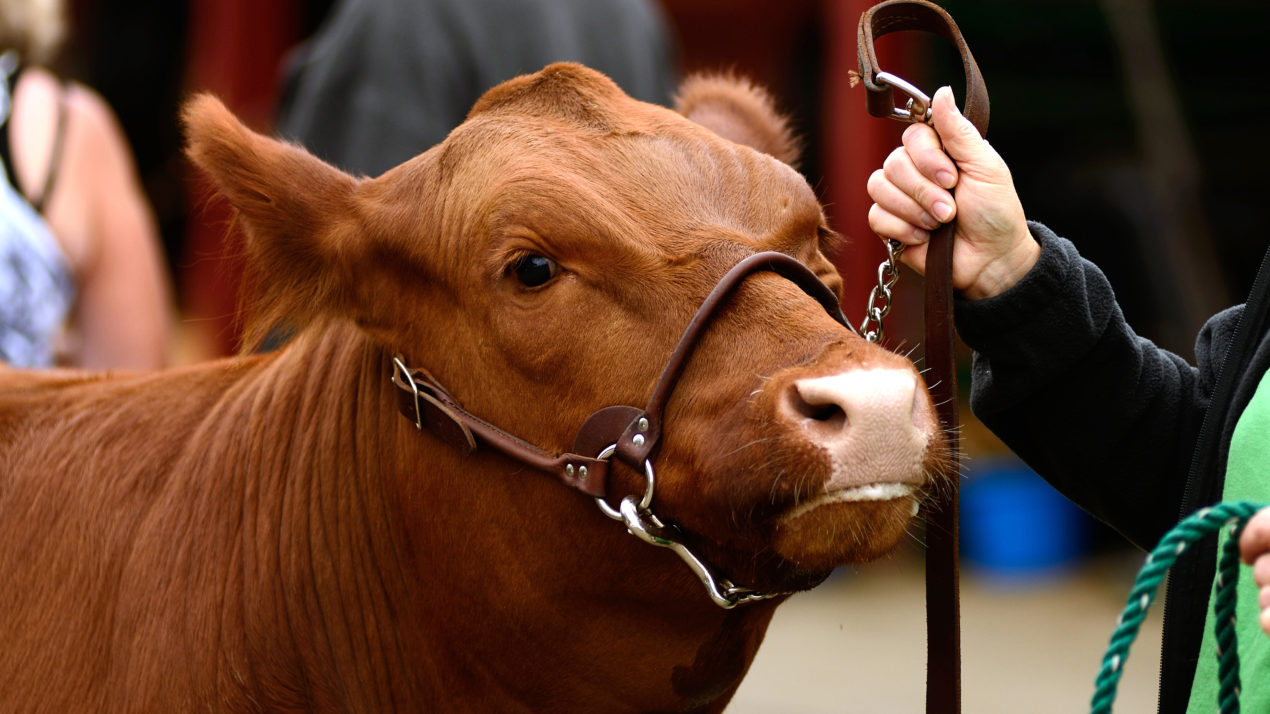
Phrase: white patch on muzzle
(873, 424)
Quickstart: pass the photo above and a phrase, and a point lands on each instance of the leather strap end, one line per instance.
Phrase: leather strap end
(923, 16)
(432, 415)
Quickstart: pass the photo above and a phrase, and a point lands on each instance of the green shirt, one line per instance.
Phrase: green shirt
(1247, 479)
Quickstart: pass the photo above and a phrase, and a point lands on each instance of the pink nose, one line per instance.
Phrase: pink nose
(874, 423)
(879, 399)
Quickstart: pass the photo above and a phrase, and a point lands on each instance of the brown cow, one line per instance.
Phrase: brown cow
(270, 533)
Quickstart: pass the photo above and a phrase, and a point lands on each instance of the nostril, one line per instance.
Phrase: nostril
(810, 403)
(821, 412)
(882, 399)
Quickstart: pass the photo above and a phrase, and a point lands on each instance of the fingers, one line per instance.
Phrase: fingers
(927, 152)
(1254, 548)
(908, 203)
(960, 138)
(1261, 576)
(898, 188)
(1265, 614)
(914, 167)
(1255, 540)
(888, 225)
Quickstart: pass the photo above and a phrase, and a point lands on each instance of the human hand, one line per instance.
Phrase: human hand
(1254, 548)
(920, 186)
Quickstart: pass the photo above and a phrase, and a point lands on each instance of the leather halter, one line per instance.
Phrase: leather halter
(943, 648)
(633, 432)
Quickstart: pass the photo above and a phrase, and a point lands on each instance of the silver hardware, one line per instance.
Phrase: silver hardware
(648, 486)
(638, 440)
(643, 424)
(642, 523)
(568, 470)
(582, 472)
(918, 107)
(888, 275)
(399, 367)
(645, 525)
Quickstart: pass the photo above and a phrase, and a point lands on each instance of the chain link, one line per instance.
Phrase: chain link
(888, 275)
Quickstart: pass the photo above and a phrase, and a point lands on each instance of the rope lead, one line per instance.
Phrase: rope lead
(1189, 531)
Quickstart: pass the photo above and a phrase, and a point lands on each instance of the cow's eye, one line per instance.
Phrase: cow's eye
(533, 270)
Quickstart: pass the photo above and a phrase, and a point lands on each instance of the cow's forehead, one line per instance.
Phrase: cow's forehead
(664, 171)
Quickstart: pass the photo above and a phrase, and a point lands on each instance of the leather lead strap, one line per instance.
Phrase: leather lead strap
(943, 596)
(943, 607)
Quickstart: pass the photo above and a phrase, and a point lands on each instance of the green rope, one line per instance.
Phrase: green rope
(1189, 531)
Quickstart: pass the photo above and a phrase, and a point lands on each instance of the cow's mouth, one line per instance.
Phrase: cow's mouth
(882, 491)
(846, 526)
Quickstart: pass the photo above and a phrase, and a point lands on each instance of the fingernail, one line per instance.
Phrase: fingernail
(945, 179)
(928, 222)
(942, 211)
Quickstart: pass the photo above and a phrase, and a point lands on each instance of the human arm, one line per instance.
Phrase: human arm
(99, 214)
(124, 312)
(1105, 415)
(1102, 413)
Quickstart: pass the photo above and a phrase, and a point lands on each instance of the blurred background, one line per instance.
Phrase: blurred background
(1133, 127)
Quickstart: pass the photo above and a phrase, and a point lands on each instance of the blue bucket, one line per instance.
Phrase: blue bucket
(1015, 526)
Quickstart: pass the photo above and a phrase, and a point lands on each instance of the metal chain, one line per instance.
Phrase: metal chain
(888, 275)
(917, 109)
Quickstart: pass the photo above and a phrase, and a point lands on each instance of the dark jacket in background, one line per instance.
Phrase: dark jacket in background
(385, 80)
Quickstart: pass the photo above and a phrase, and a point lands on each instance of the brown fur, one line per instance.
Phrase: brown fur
(267, 533)
(739, 111)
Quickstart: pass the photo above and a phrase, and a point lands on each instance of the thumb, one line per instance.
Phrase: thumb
(960, 138)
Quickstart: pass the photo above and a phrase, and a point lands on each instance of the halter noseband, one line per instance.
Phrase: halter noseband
(627, 433)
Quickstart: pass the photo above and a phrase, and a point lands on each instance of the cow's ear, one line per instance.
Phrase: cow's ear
(737, 110)
(296, 212)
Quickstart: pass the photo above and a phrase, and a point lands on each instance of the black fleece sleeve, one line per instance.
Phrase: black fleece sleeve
(1104, 415)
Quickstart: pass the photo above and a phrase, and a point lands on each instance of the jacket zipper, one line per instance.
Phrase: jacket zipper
(1227, 391)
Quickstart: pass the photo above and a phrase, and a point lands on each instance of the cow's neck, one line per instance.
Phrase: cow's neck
(421, 574)
(318, 562)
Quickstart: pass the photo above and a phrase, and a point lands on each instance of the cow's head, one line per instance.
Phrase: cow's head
(542, 262)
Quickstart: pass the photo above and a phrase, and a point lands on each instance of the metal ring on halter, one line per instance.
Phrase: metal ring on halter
(644, 502)
(399, 366)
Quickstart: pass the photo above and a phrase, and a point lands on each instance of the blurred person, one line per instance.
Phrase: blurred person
(382, 81)
(82, 280)
(1132, 433)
